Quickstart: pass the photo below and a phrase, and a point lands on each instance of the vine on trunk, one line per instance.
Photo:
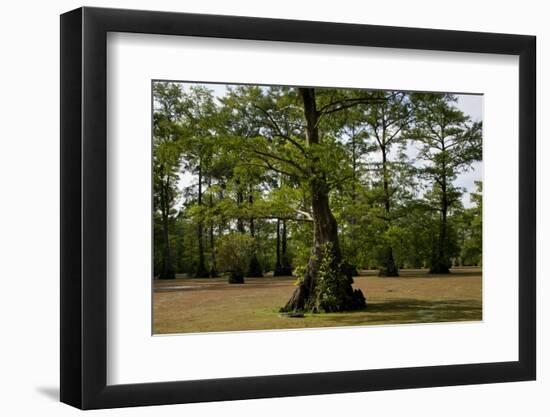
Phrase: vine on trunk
(326, 286)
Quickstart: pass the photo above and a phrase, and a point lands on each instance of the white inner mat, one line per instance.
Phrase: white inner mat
(135, 356)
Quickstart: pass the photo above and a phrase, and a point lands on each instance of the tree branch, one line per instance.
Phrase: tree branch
(350, 102)
(279, 131)
(269, 166)
(278, 158)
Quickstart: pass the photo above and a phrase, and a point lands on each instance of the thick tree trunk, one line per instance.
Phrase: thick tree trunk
(201, 271)
(388, 269)
(324, 286)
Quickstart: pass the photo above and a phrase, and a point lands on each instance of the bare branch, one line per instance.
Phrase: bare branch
(307, 215)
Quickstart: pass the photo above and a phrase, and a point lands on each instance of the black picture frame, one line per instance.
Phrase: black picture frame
(84, 207)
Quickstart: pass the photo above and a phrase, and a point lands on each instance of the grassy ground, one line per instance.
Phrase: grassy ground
(208, 305)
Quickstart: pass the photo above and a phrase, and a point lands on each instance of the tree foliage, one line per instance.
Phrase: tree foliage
(252, 179)
(234, 253)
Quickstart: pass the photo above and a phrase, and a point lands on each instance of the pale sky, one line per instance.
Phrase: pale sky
(470, 104)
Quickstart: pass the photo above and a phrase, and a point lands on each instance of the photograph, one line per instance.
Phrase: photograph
(287, 207)
(341, 207)
(275, 209)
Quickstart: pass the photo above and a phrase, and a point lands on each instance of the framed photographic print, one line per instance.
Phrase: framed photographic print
(255, 208)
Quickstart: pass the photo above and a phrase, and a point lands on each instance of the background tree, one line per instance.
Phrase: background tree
(471, 231)
(352, 132)
(283, 266)
(386, 119)
(167, 132)
(450, 143)
(234, 252)
(201, 119)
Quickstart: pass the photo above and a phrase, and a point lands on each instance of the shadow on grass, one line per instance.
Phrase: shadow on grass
(413, 273)
(410, 311)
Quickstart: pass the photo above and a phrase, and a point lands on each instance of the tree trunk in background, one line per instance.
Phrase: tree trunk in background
(201, 271)
(221, 223)
(240, 199)
(353, 166)
(441, 261)
(324, 286)
(286, 267)
(282, 263)
(389, 269)
(254, 267)
(180, 248)
(213, 268)
(349, 264)
(277, 270)
(167, 271)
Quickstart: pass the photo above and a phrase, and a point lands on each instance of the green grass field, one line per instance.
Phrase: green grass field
(211, 305)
